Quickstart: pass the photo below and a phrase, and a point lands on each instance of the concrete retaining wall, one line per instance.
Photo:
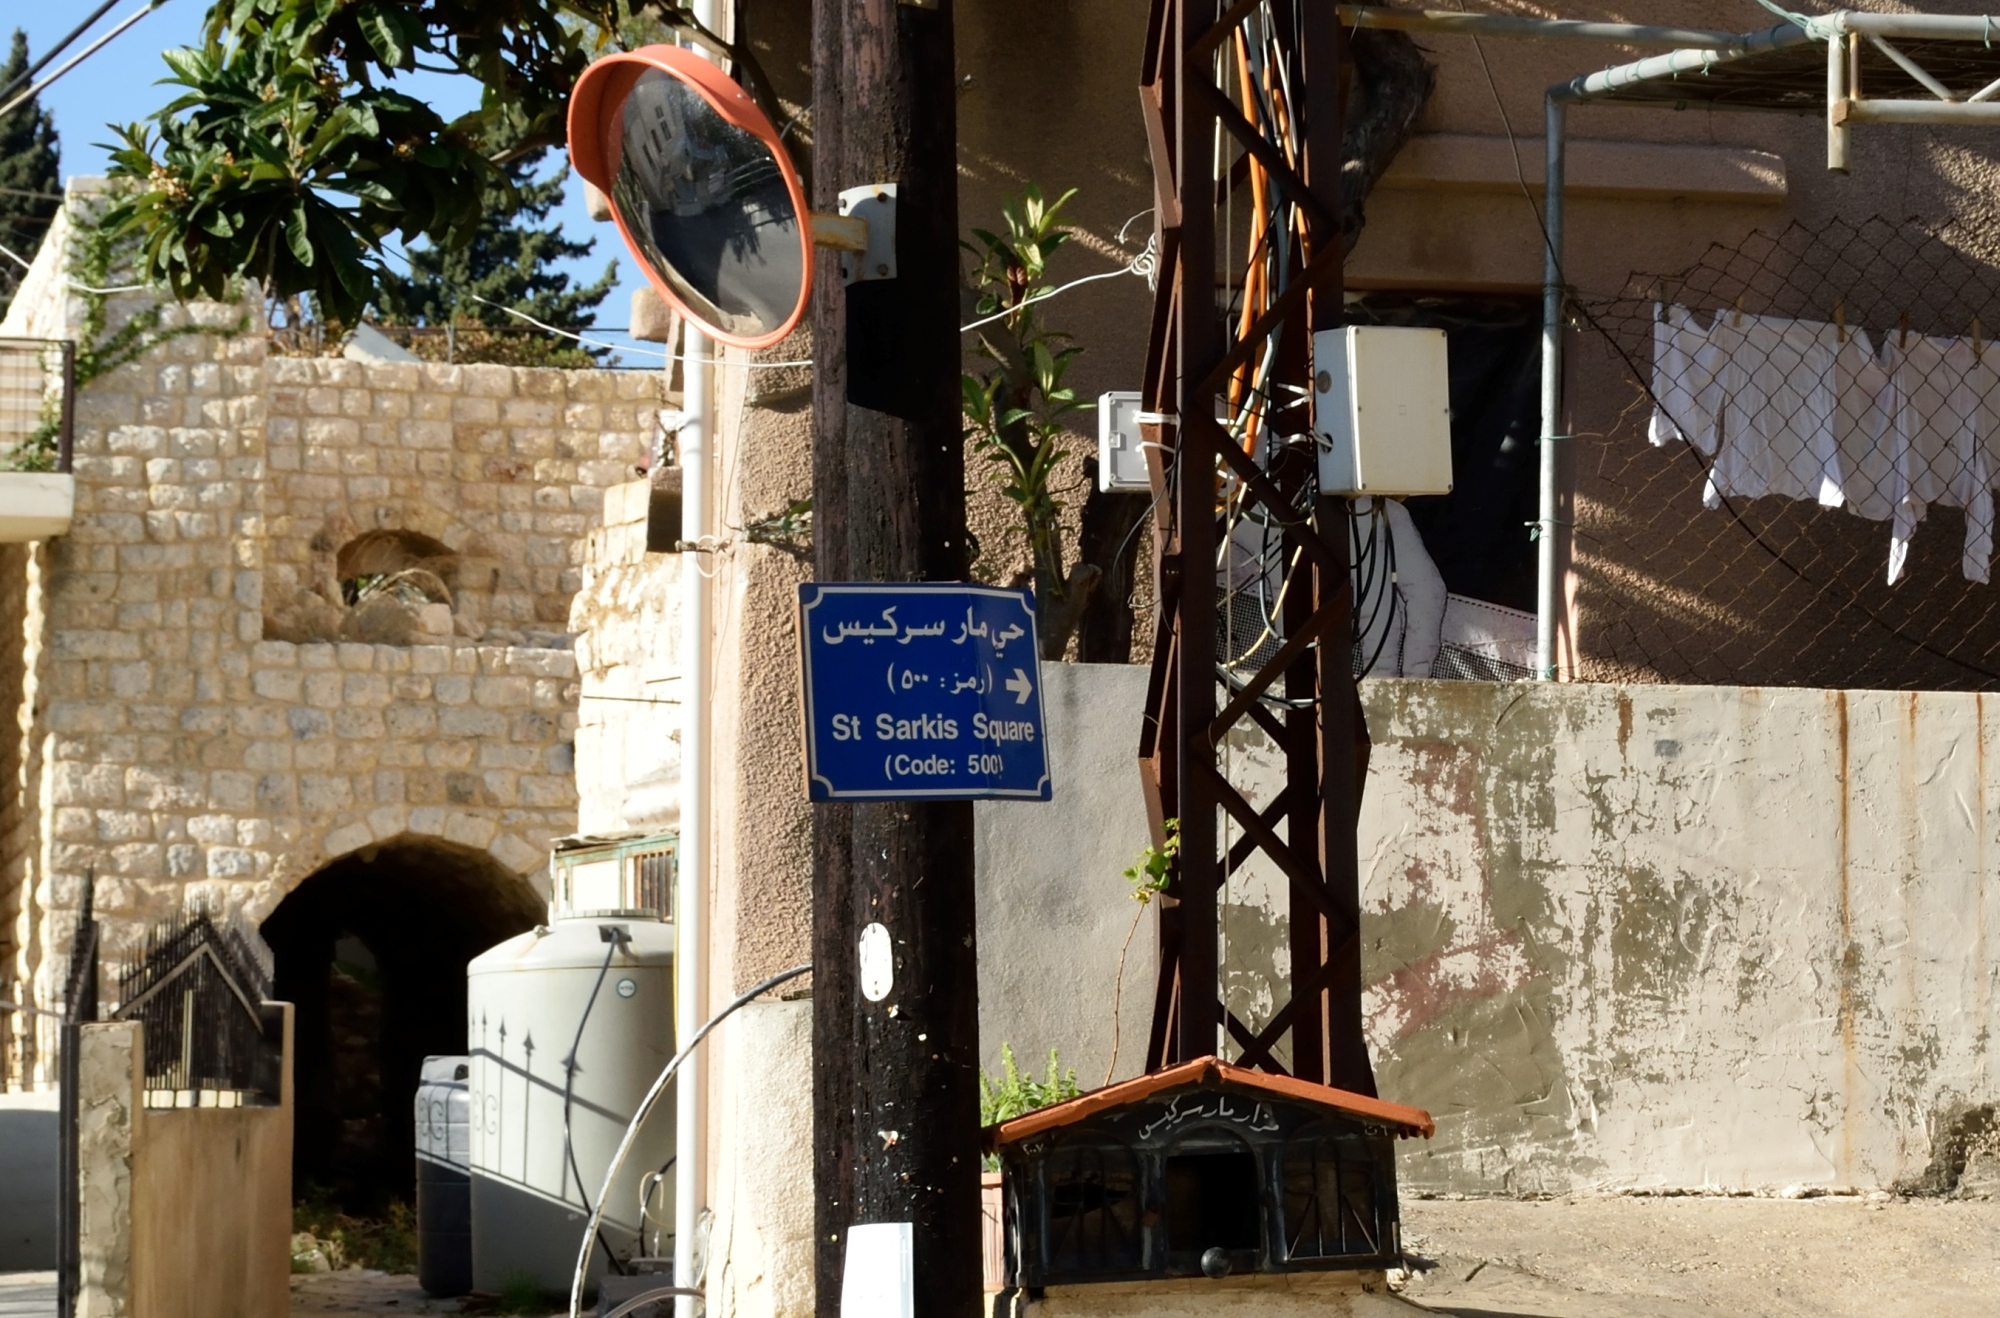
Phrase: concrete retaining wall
(1613, 936)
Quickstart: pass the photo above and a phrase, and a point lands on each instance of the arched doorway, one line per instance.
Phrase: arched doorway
(372, 951)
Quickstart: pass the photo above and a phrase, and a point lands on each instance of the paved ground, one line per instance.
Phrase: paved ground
(1706, 1258)
(359, 1293)
(27, 1294)
(1565, 1258)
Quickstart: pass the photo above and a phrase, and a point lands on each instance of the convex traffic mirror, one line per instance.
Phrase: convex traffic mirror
(701, 188)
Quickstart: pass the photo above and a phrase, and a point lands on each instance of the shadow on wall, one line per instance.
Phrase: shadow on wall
(372, 951)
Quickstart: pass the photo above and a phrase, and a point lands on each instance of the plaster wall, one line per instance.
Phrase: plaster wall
(1637, 937)
(1054, 910)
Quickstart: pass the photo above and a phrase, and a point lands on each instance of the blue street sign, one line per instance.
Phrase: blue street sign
(921, 692)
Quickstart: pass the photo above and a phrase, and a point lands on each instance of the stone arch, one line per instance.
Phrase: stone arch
(384, 553)
(372, 947)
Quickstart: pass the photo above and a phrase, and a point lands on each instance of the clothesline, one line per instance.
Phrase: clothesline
(1814, 410)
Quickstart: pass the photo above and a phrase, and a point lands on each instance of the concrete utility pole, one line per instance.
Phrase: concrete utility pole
(896, 1091)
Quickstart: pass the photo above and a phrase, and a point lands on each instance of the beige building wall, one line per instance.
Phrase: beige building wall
(167, 745)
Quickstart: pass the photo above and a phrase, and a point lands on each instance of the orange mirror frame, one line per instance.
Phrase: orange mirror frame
(596, 143)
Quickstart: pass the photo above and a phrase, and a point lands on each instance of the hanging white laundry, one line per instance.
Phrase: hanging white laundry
(1723, 368)
(1678, 384)
(1937, 449)
(1785, 441)
(1970, 477)
(1864, 393)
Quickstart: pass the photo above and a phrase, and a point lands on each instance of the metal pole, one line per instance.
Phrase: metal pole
(66, 441)
(692, 886)
(1837, 133)
(1548, 595)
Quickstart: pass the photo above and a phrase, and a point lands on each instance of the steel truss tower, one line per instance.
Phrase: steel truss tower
(1243, 106)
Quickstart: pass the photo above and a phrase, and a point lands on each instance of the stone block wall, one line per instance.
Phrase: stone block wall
(503, 466)
(170, 748)
(626, 618)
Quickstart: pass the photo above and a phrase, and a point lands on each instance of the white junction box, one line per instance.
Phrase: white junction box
(1382, 411)
(1121, 459)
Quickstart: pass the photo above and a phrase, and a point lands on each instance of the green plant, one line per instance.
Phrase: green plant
(1015, 408)
(100, 259)
(508, 262)
(290, 154)
(521, 1293)
(1016, 1094)
(387, 1243)
(1149, 876)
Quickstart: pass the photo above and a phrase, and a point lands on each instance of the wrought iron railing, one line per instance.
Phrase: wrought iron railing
(199, 991)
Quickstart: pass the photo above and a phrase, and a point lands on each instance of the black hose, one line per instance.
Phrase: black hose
(612, 940)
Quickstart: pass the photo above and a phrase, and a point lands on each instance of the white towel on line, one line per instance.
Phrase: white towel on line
(1798, 409)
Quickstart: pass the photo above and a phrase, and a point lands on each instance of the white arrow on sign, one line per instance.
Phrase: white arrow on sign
(1020, 686)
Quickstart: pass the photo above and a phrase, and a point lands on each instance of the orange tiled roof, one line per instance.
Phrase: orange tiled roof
(1408, 1121)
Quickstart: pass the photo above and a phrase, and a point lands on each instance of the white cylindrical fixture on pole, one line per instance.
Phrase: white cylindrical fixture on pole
(1548, 592)
(691, 890)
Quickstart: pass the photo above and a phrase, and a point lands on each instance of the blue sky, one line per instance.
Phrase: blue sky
(116, 85)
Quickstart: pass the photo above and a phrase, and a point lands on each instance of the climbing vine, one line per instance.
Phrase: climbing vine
(101, 261)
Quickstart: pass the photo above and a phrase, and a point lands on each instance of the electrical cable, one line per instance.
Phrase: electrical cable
(26, 264)
(85, 54)
(645, 1109)
(28, 73)
(614, 938)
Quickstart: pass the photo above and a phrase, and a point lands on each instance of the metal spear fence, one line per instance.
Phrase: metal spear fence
(1793, 484)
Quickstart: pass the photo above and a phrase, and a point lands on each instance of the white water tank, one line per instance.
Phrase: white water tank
(526, 999)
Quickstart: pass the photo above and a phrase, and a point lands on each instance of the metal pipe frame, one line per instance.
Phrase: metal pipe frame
(1844, 106)
(1674, 63)
(1856, 111)
(1450, 23)
(1548, 538)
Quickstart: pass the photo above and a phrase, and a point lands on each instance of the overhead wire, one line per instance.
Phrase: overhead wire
(28, 74)
(95, 46)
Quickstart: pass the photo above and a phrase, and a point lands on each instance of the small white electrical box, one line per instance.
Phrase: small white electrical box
(1382, 410)
(1121, 459)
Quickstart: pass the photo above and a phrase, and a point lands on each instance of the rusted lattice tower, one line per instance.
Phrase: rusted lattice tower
(1243, 110)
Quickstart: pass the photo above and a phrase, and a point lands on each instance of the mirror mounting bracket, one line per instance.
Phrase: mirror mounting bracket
(875, 207)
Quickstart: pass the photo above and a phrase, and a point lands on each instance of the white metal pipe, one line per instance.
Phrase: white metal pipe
(1936, 27)
(1914, 69)
(697, 435)
(691, 889)
(1548, 594)
(1919, 112)
(1446, 22)
(1677, 62)
(1837, 134)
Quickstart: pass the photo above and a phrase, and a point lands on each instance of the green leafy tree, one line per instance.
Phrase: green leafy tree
(289, 155)
(29, 174)
(1015, 409)
(508, 263)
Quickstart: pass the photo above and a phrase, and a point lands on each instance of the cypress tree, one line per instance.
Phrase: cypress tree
(30, 180)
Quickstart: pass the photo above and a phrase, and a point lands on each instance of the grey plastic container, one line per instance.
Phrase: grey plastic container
(444, 1176)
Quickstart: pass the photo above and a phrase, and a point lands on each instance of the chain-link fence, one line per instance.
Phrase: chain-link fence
(1791, 482)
